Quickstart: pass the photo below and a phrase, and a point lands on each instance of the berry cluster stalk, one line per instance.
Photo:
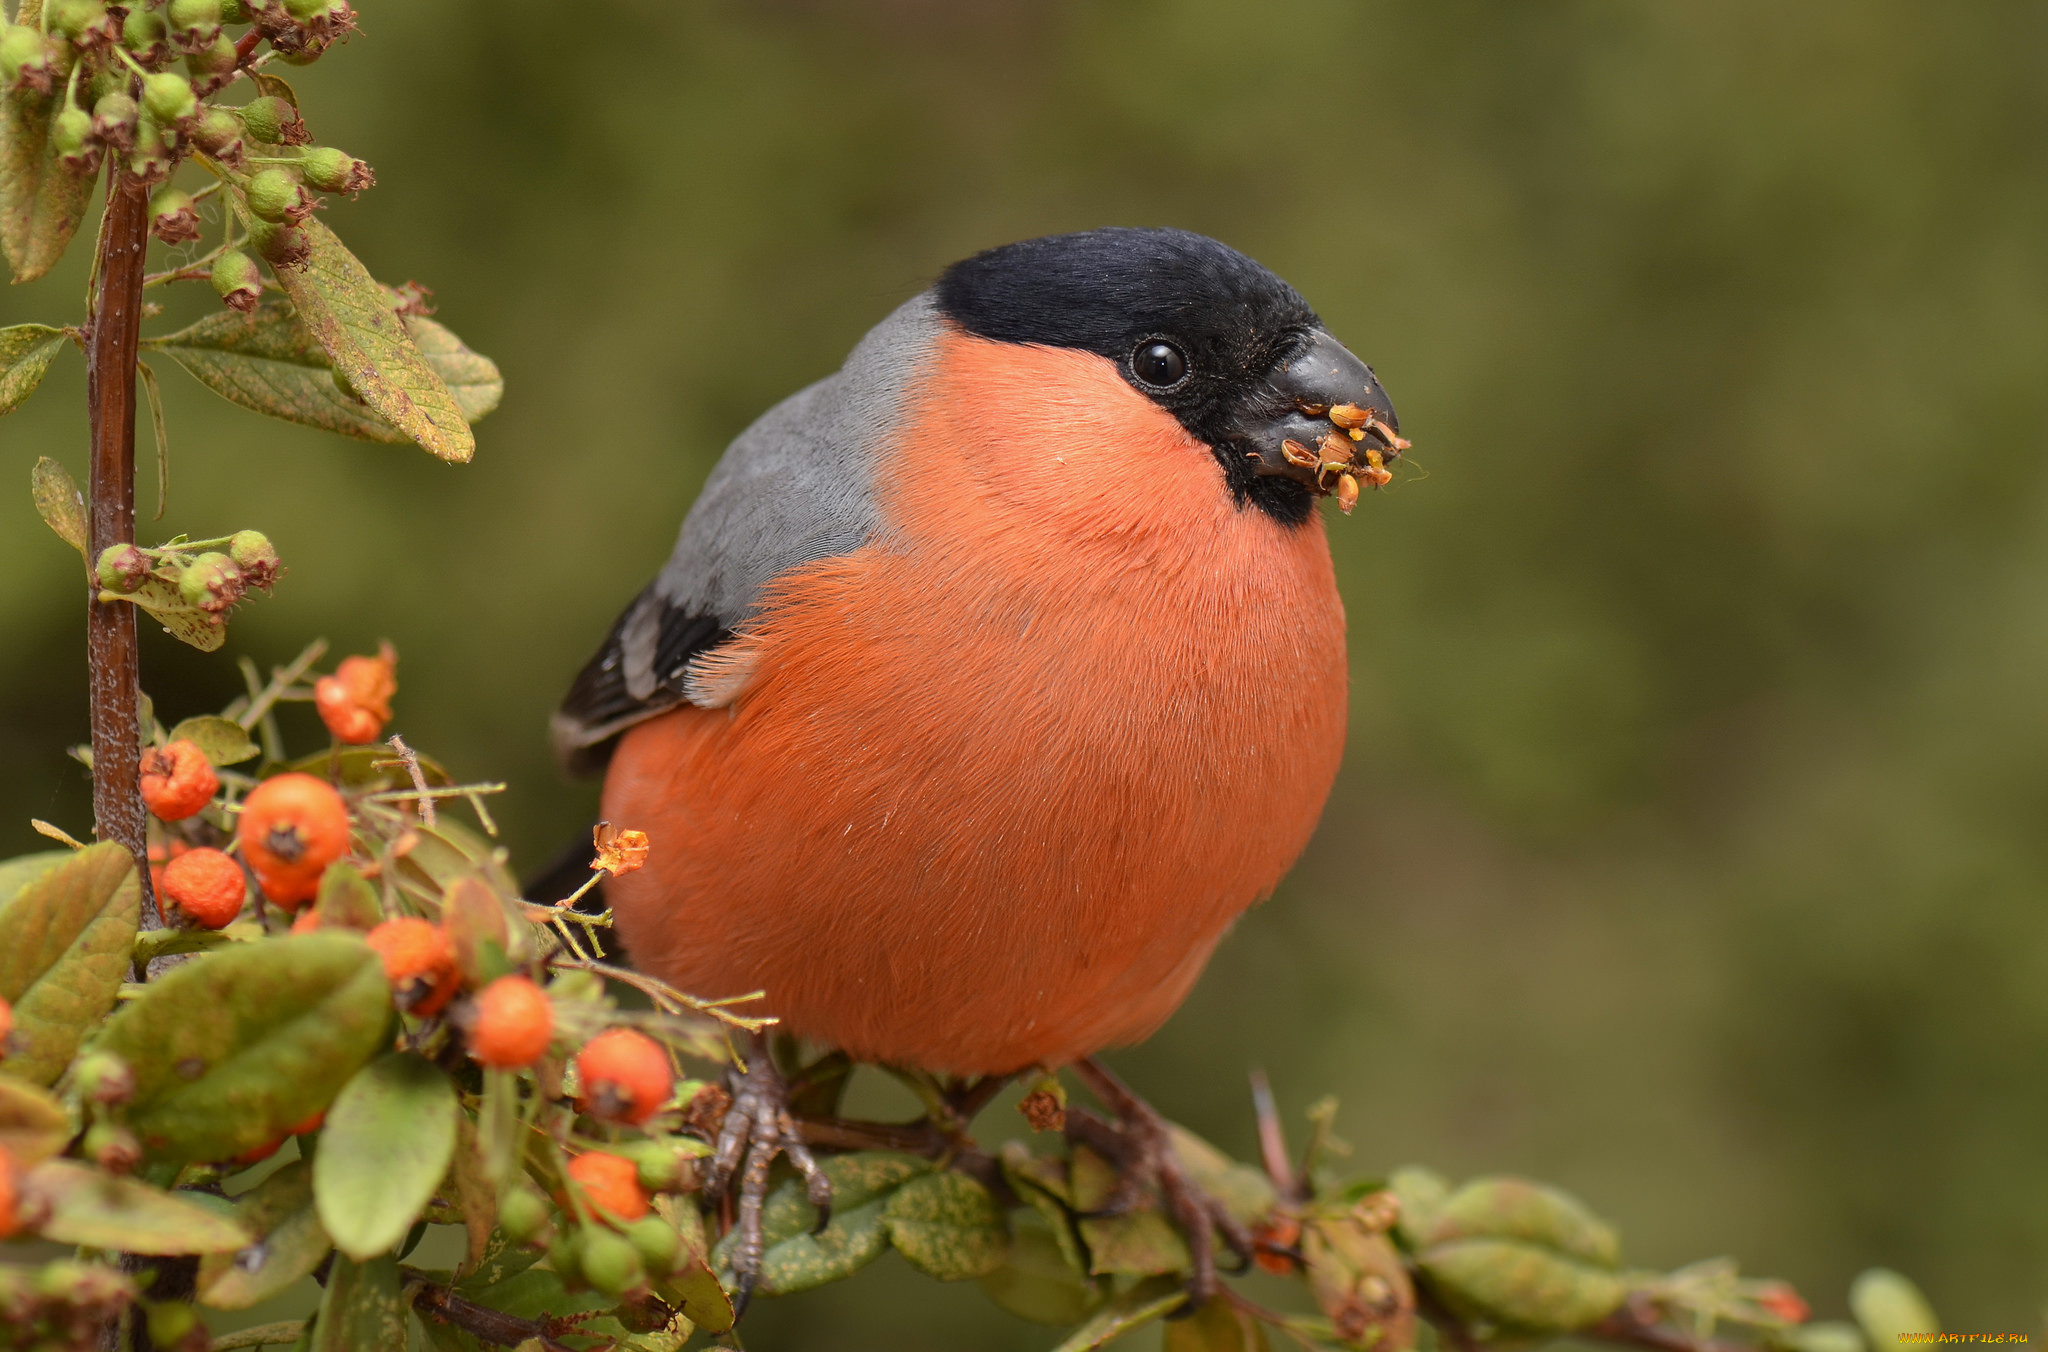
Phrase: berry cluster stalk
(113, 332)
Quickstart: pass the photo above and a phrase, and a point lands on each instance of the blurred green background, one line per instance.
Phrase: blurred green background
(1690, 848)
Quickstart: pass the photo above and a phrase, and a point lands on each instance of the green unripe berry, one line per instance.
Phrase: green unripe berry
(521, 1213)
(286, 246)
(273, 121)
(610, 1262)
(22, 58)
(170, 1322)
(114, 118)
(104, 1078)
(217, 57)
(272, 193)
(113, 1148)
(657, 1243)
(122, 568)
(71, 136)
(150, 160)
(143, 31)
(233, 11)
(75, 18)
(197, 20)
(331, 170)
(169, 98)
(237, 280)
(218, 133)
(307, 11)
(565, 1256)
(211, 582)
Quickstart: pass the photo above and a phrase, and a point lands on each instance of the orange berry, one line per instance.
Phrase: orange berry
(513, 1025)
(177, 781)
(611, 1185)
(10, 1195)
(206, 885)
(419, 961)
(355, 702)
(292, 828)
(306, 921)
(6, 1026)
(625, 1076)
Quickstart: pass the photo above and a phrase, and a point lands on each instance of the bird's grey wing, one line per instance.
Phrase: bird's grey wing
(795, 487)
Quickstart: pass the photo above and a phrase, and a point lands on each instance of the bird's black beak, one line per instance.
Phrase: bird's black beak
(1322, 420)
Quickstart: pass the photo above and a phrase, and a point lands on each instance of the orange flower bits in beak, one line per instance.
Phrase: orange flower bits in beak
(176, 780)
(292, 827)
(355, 702)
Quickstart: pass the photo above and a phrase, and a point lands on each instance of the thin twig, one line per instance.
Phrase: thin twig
(281, 1334)
(411, 761)
(493, 1326)
(281, 680)
(670, 1000)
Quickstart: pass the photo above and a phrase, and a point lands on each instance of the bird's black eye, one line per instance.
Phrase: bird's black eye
(1159, 364)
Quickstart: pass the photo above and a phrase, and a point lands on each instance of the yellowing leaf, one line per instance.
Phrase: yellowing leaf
(287, 1243)
(362, 1308)
(41, 202)
(88, 1206)
(33, 1124)
(182, 620)
(221, 740)
(270, 362)
(59, 503)
(351, 319)
(26, 351)
(1135, 1308)
(947, 1225)
(68, 932)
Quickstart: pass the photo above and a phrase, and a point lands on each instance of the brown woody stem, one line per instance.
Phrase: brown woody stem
(112, 334)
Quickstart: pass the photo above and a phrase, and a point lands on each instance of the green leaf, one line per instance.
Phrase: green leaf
(1520, 1285)
(387, 1145)
(1218, 1326)
(183, 621)
(537, 1293)
(233, 1048)
(1887, 1305)
(33, 1124)
(501, 1259)
(1422, 1193)
(1135, 1308)
(1358, 1278)
(351, 318)
(362, 1308)
(288, 1243)
(41, 201)
(270, 362)
(91, 1207)
(221, 740)
(855, 1238)
(948, 1226)
(18, 872)
(1244, 1192)
(26, 351)
(164, 943)
(1036, 1280)
(370, 769)
(1138, 1244)
(58, 502)
(68, 935)
(693, 1288)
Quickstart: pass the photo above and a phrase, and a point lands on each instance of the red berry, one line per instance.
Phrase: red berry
(355, 702)
(419, 961)
(611, 1185)
(177, 781)
(625, 1075)
(10, 1218)
(292, 827)
(206, 885)
(514, 1023)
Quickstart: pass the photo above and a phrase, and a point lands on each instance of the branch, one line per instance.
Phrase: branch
(493, 1326)
(112, 335)
(1636, 1328)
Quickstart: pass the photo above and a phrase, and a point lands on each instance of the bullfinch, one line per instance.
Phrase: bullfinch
(994, 675)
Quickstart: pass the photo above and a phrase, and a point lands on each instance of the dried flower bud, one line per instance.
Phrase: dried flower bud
(104, 1078)
(331, 170)
(113, 122)
(274, 195)
(173, 217)
(71, 138)
(219, 134)
(255, 555)
(113, 1148)
(273, 121)
(237, 280)
(194, 24)
(145, 34)
(284, 245)
(212, 583)
(168, 98)
(213, 61)
(25, 64)
(123, 568)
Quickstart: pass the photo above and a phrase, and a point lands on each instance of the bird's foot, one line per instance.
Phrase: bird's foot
(1140, 1142)
(757, 1128)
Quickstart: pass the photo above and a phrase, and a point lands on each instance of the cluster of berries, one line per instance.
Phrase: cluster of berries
(210, 575)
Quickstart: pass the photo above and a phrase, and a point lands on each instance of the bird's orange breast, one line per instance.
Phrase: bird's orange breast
(994, 785)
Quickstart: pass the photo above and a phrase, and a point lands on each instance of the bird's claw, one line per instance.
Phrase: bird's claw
(1142, 1146)
(757, 1128)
